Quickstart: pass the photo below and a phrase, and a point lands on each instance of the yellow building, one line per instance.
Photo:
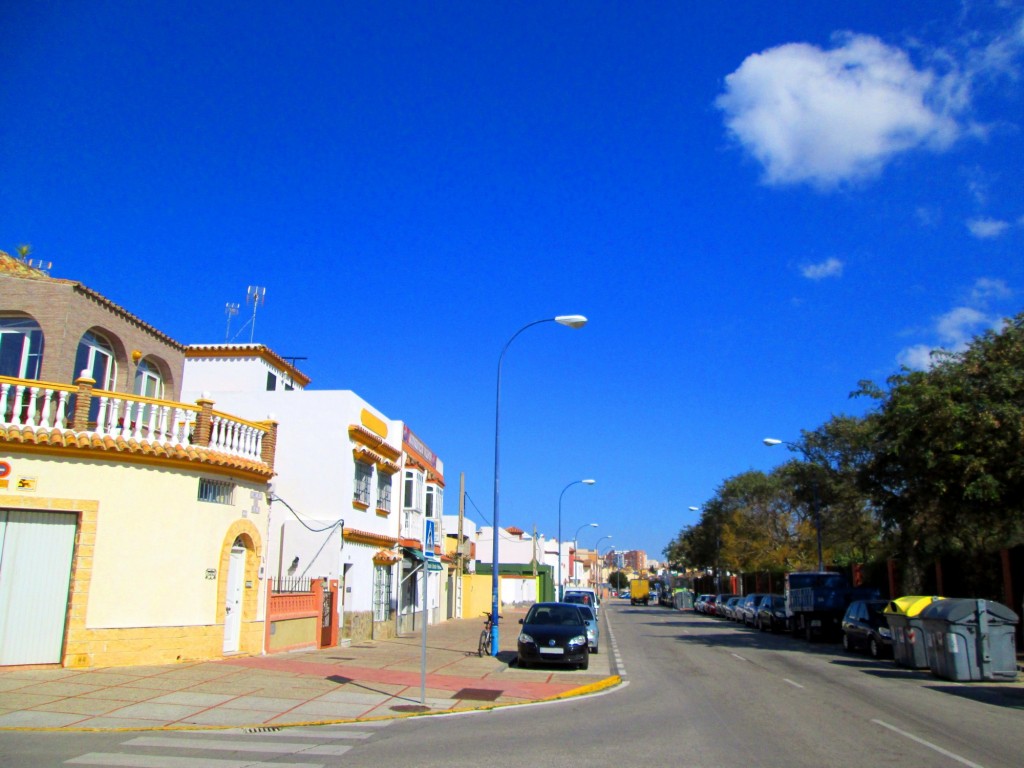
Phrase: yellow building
(132, 526)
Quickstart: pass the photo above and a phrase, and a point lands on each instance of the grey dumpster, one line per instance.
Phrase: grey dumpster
(969, 639)
(903, 615)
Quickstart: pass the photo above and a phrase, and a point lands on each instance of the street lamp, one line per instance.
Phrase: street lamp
(570, 321)
(570, 485)
(771, 441)
(600, 565)
(575, 546)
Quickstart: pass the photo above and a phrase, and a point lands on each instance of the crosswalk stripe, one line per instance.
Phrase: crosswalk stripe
(238, 746)
(117, 760)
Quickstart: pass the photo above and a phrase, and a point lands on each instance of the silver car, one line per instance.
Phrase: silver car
(593, 628)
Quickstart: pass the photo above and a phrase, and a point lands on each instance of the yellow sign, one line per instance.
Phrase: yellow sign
(26, 484)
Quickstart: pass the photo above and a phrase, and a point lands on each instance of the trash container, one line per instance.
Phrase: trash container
(968, 639)
(683, 600)
(908, 646)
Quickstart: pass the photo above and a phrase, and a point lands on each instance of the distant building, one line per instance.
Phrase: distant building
(635, 559)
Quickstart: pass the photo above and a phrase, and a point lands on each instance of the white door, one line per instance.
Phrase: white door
(233, 603)
(36, 549)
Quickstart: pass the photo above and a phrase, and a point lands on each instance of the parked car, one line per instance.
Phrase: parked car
(624, 594)
(720, 601)
(865, 626)
(553, 633)
(771, 614)
(592, 599)
(728, 610)
(581, 598)
(746, 609)
(593, 629)
(699, 603)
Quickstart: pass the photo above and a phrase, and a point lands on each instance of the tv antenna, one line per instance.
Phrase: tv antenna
(255, 295)
(230, 309)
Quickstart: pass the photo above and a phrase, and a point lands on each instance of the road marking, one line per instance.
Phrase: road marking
(795, 685)
(160, 761)
(928, 744)
(738, 656)
(238, 746)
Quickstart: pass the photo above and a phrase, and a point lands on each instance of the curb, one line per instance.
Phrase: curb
(584, 690)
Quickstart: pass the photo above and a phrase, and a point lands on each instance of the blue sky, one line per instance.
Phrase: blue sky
(755, 204)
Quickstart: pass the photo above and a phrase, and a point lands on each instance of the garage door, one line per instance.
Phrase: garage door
(35, 572)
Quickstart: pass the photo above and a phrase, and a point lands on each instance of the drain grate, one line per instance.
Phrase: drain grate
(410, 708)
(268, 729)
(477, 694)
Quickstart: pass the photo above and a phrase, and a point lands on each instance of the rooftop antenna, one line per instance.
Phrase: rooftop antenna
(230, 309)
(256, 295)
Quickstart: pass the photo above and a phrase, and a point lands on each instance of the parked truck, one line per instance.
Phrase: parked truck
(639, 591)
(817, 600)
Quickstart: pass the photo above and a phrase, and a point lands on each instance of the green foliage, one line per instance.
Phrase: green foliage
(936, 468)
(618, 580)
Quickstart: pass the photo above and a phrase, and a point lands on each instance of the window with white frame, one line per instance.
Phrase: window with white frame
(432, 504)
(95, 357)
(412, 497)
(381, 593)
(148, 381)
(21, 348)
(363, 487)
(383, 491)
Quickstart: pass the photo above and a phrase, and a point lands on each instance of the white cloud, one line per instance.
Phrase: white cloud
(985, 228)
(987, 288)
(828, 116)
(959, 325)
(955, 329)
(832, 267)
(917, 357)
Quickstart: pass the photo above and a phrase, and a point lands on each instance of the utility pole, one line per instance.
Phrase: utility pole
(458, 546)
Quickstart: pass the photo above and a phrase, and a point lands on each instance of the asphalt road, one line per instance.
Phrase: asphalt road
(698, 693)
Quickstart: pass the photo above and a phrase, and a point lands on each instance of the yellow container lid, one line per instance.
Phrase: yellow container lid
(911, 605)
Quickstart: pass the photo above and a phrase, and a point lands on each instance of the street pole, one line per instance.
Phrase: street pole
(560, 590)
(570, 321)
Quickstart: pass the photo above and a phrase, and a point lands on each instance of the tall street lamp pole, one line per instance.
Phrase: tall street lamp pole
(771, 441)
(570, 321)
(600, 565)
(570, 485)
(575, 546)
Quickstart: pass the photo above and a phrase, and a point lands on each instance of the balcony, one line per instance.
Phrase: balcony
(79, 416)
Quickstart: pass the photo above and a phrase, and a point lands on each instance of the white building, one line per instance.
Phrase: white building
(352, 489)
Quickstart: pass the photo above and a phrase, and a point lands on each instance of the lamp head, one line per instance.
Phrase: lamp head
(588, 482)
(571, 321)
(593, 525)
(770, 441)
(695, 509)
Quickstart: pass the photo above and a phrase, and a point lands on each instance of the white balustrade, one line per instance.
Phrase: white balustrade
(41, 408)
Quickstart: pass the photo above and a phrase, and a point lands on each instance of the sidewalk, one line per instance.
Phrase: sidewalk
(369, 680)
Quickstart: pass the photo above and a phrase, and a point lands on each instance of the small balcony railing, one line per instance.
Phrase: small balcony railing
(43, 406)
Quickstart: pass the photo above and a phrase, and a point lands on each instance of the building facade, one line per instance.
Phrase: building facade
(133, 525)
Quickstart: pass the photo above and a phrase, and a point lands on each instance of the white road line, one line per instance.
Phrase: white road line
(738, 657)
(116, 760)
(795, 685)
(238, 746)
(928, 744)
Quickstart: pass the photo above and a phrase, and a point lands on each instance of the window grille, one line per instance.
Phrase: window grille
(364, 473)
(381, 593)
(216, 491)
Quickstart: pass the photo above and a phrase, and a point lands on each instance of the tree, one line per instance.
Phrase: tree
(618, 580)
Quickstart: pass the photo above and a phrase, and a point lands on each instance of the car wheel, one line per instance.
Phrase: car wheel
(522, 664)
(846, 642)
(595, 649)
(585, 664)
(876, 651)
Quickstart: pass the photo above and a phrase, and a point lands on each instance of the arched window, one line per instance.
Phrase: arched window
(96, 357)
(148, 381)
(21, 348)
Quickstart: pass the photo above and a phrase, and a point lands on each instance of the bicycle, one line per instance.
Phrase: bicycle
(484, 647)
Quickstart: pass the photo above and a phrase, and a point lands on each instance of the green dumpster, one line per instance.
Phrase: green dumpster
(908, 646)
(970, 639)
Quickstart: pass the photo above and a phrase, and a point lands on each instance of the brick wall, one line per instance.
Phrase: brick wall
(66, 310)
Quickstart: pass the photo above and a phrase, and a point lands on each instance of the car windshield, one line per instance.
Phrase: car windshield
(554, 614)
(588, 615)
